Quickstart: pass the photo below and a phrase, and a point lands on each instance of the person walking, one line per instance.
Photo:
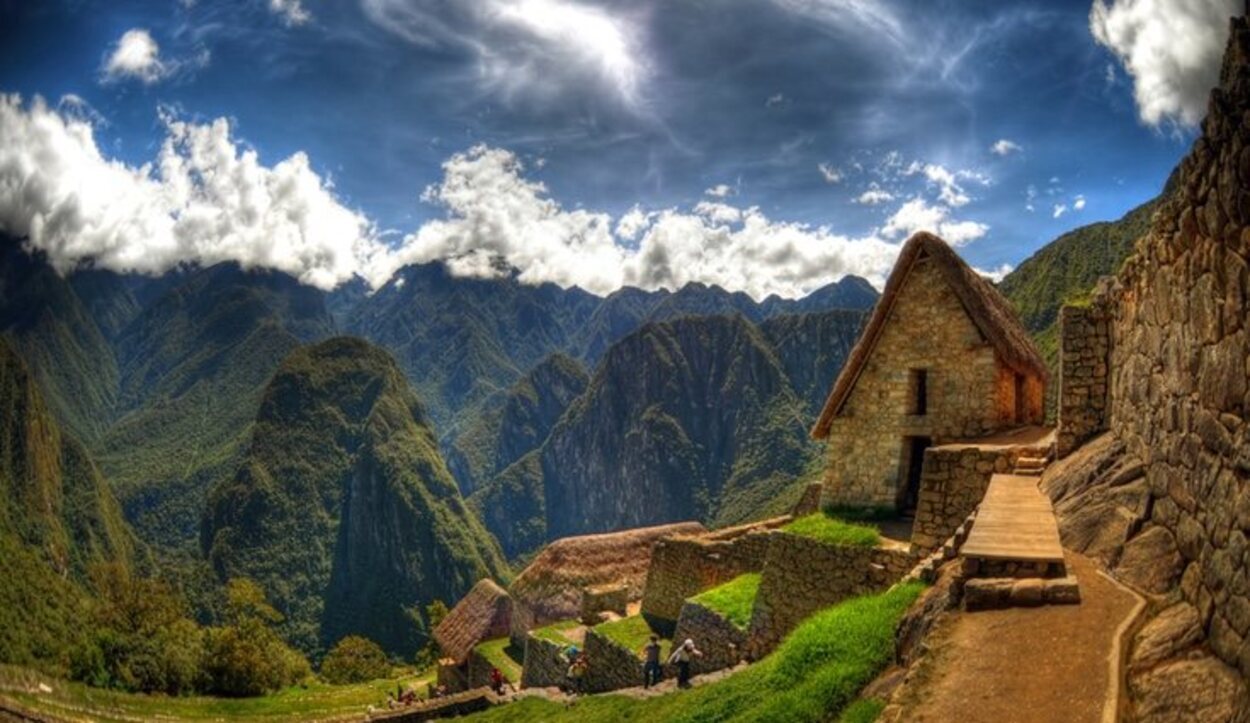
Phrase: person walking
(652, 671)
(683, 656)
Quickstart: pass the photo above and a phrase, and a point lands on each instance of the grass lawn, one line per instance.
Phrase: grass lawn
(814, 675)
(502, 654)
(316, 701)
(555, 632)
(820, 526)
(633, 633)
(864, 710)
(734, 600)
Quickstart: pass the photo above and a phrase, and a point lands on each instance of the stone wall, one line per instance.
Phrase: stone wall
(612, 665)
(599, 599)
(802, 575)
(1179, 369)
(682, 567)
(545, 665)
(1084, 365)
(969, 394)
(952, 484)
(722, 643)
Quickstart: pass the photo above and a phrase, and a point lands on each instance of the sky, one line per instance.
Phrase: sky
(769, 146)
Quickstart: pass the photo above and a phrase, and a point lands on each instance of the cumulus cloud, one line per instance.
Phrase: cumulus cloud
(774, 99)
(1078, 203)
(202, 201)
(207, 198)
(1005, 147)
(874, 195)
(829, 173)
(292, 12)
(949, 189)
(918, 214)
(528, 49)
(1058, 210)
(135, 55)
(720, 190)
(1170, 48)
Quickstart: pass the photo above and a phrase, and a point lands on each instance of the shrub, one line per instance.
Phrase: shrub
(354, 660)
(246, 657)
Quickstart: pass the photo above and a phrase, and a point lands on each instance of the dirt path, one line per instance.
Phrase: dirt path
(1023, 665)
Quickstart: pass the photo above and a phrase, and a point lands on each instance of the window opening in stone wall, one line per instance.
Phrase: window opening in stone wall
(918, 391)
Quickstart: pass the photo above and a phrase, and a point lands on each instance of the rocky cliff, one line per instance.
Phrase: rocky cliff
(343, 508)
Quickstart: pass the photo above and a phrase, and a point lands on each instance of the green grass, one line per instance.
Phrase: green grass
(735, 600)
(864, 710)
(632, 633)
(316, 701)
(555, 632)
(502, 654)
(814, 675)
(820, 526)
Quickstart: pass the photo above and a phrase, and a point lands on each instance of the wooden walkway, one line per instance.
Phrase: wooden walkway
(1015, 522)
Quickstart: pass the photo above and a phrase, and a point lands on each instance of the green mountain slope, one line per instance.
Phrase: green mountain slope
(58, 518)
(812, 348)
(194, 365)
(342, 508)
(689, 419)
(515, 422)
(53, 332)
(1068, 267)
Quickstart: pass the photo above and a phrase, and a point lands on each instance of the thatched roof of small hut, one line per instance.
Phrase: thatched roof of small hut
(484, 614)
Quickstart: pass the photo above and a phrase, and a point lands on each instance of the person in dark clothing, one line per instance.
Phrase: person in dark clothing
(652, 671)
(683, 656)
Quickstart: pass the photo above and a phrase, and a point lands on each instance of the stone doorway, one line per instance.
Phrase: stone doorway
(912, 464)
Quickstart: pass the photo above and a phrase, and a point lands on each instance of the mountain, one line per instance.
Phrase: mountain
(693, 418)
(342, 507)
(1068, 267)
(58, 518)
(49, 327)
(812, 348)
(193, 367)
(514, 422)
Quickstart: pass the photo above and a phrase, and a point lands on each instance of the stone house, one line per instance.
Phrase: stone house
(483, 614)
(943, 358)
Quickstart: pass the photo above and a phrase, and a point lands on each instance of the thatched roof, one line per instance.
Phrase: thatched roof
(485, 613)
(987, 308)
(551, 586)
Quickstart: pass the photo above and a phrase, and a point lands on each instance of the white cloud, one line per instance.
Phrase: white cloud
(528, 49)
(949, 189)
(919, 215)
(136, 55)
(874, 195)
(720, 190)
(995, 275)
(202, 201)
(206, 199)
(1058, 210)
(1078, 203)
(292, 12)
(829, 173)
(1005, 147)
(1030, 195)
(1171, 49)
(774, 99)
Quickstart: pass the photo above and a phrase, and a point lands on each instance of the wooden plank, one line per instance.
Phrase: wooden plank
(1015, 522)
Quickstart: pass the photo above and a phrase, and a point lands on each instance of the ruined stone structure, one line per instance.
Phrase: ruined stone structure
(803, 575)
(484, 614)
(600, 599)
(684, 566)
(943, 358)
(1085, 350)
(722, 643)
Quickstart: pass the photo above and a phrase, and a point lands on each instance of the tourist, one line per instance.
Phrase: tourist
(652, 671)
(577, 674)
(497, 681)
(682, 657)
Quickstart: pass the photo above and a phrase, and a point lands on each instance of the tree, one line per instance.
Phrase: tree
(355, 660)
(434, 614)
(246, 657)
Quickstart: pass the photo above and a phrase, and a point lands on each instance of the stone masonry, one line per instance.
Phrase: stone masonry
(803, 575)
(682, 567)
(722, 643)
(967, 395)
(1180, 371)
(953, 482)
(1085, 348)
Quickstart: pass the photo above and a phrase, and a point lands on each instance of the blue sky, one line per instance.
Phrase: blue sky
(841, 122)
